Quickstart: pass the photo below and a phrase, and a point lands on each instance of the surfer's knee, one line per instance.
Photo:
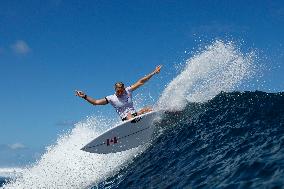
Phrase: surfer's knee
(148, 109)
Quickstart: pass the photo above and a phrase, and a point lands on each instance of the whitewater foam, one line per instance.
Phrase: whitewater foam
(219, 67)
(64, 165)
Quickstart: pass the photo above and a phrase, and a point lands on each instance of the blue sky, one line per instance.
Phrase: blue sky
(50, 48)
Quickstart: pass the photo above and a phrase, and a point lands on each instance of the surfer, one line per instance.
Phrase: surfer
(122, 99)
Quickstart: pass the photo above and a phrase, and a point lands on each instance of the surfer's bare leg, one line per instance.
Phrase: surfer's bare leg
(144, 110)
(140, 112)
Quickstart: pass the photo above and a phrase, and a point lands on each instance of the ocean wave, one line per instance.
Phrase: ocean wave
(235, 140)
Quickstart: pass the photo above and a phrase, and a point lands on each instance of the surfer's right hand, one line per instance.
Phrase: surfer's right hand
(80, 93)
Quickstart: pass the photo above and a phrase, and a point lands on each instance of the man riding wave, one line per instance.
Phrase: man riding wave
(122, 99)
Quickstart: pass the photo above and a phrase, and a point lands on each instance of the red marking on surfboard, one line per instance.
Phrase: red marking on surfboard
(111, 141)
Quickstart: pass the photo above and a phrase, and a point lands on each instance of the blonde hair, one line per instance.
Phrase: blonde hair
(118, 84)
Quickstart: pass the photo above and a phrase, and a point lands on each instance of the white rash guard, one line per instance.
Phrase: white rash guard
(122, 104)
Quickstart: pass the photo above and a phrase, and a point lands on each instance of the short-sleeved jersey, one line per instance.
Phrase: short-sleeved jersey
(122, 104)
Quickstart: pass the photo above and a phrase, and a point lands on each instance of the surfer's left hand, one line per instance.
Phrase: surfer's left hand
(158, 69)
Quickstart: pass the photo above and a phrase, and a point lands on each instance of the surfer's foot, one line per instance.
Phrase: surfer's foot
(129, 116)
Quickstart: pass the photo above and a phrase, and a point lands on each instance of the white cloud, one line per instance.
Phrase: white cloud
(10, 172)
(21, 47)
(17, 146)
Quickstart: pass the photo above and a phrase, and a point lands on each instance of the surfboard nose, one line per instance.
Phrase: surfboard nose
(84, 149)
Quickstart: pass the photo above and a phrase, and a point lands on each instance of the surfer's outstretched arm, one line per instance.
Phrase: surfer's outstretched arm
(91, 100)
(143, 80)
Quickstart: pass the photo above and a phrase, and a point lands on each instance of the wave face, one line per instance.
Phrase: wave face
(235, 140)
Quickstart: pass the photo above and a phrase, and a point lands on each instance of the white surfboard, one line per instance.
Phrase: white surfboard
(125, 136)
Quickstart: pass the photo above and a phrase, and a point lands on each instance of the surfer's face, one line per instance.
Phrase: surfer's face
(119, 90)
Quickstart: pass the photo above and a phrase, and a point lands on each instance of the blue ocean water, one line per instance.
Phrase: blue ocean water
(235, 140)
(2, 181)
